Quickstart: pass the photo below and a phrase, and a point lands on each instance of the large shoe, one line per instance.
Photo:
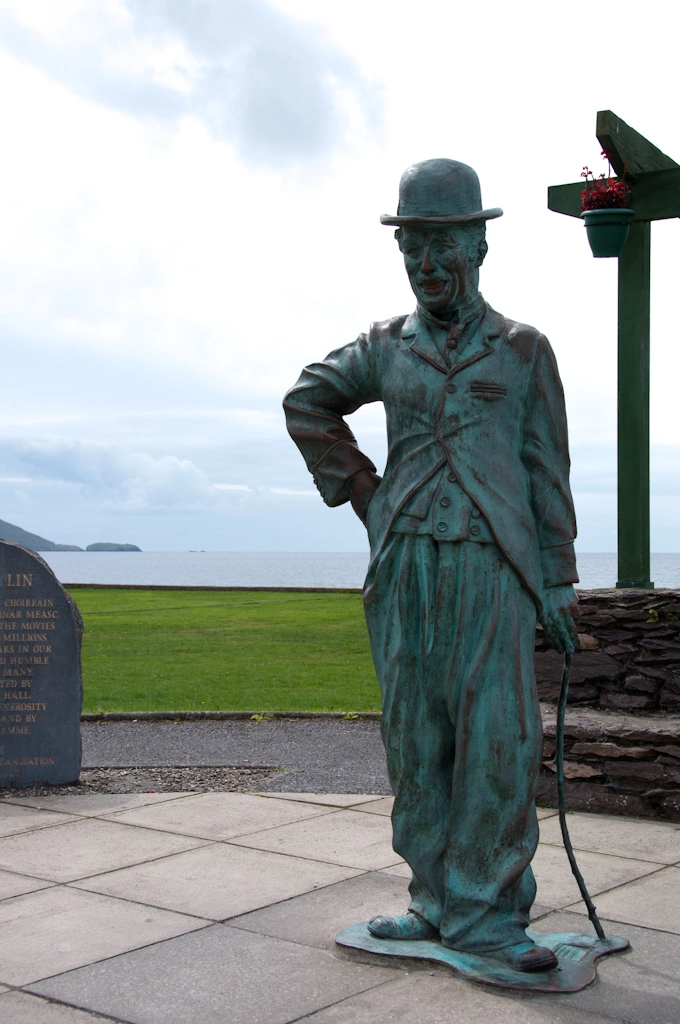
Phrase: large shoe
(405, 926)
(526, 956)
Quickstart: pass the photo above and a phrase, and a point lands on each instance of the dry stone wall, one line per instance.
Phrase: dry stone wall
(622, 736)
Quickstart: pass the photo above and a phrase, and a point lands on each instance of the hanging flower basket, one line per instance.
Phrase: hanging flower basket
(607, 230)
(605, 206)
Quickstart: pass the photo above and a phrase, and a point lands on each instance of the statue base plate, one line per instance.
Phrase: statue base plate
(575, 952)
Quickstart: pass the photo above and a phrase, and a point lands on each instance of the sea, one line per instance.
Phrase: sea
(280, 569)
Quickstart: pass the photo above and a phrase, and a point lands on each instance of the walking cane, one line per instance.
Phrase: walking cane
(559, 763)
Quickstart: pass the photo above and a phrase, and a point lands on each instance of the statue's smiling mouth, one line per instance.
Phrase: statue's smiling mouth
(433, 287)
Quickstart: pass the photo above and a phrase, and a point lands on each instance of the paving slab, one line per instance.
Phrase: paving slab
(344, 837)
(217, 881)
(653, 901)
(624, 837)
(640, 986)
(15, 884)
(315, 918)
(221, 975)
(135, 939)
(15, 818)
(402, 870)
(219, 816)
(57, 929)
(22, 1008)
(439, 998)
(383, 806)
(86, 846)
(95, 804)
(328, 799)
(557, 886)
(539, 911)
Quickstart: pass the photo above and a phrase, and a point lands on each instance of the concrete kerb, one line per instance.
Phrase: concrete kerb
(229, 716)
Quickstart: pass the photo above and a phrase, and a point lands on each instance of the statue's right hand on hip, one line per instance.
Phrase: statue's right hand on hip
(560, 609)
(362, 487)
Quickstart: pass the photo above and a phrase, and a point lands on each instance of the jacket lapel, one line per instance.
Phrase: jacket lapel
(416, 332)
(482, 342)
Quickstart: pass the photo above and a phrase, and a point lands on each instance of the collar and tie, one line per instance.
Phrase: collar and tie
(455, 327)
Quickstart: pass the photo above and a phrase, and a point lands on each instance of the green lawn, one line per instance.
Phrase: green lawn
(197, 650)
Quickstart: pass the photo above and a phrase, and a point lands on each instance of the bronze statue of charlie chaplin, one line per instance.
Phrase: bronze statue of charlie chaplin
(471, 532)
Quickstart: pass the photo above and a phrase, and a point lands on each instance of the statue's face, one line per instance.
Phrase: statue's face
(437, 266)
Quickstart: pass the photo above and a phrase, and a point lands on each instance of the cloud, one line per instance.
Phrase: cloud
(113, 478)
(77, 492)
(294, 491)
(280, 90)
(593, 469)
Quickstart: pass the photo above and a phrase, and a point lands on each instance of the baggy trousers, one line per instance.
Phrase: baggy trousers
(452, 634)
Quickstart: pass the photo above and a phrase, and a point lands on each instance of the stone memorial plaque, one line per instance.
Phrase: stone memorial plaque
(42, 691)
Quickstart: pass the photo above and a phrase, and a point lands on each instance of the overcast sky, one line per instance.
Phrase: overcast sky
(190, 213)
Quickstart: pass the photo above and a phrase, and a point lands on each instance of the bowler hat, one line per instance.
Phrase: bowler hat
(439, 192)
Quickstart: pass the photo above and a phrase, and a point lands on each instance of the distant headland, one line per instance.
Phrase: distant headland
(16, 535)
(105, 546)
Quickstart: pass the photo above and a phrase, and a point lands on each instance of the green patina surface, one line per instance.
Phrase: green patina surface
(471, 531)
(225, 651)
(576, 953)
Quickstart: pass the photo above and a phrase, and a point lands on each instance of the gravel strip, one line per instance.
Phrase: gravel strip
(158, 780)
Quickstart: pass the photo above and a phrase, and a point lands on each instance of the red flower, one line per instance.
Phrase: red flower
(604, 192)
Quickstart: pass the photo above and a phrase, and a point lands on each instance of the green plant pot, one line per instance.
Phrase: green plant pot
(608, 230)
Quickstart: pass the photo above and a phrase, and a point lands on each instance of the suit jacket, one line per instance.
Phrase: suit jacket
(496, 416)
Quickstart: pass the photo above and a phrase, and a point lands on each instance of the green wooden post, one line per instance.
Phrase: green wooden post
(655, 179)
(633, 410)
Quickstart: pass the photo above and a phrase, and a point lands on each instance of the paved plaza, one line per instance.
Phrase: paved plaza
(222, 907)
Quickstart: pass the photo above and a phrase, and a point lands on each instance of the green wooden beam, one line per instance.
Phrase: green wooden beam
(633, 410)
(566, 198)
(656, 196)
(628, 150)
